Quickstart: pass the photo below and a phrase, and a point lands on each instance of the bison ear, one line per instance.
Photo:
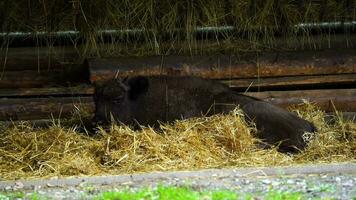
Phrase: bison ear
(137, 86)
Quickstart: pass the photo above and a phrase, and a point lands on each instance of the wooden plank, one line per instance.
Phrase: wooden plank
(37, 58)
(81, 90)
(31, 79)
(42, 108)
(343, 99)
(328, 104)
(26, 79)
(45, 108)
(303, 93)
(294, 81)
(272, 64)
(26, 108)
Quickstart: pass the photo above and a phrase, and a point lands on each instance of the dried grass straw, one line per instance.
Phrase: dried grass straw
(211, 142)
(169, 27)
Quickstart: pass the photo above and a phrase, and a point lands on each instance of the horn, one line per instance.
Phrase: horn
(117, 74)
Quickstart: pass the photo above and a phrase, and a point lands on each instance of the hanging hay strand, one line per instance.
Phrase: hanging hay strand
(211, 142)
(255, 23)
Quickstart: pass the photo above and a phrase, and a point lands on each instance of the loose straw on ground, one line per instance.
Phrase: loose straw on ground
(213, 142)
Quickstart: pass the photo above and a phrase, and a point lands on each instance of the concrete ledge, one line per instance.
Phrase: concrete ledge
(136, 179)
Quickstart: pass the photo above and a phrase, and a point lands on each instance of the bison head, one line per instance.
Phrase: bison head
(114, 99)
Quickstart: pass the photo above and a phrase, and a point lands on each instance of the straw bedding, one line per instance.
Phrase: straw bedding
(211, 142)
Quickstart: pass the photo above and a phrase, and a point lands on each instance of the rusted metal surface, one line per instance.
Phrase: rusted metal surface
(42, 108)
(275, 64)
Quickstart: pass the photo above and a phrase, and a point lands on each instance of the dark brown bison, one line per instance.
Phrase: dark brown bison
(149, 100)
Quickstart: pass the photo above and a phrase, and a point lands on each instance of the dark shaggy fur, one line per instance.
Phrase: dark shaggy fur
(147, 100)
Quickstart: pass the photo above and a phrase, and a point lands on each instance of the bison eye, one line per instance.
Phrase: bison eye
(118, 99)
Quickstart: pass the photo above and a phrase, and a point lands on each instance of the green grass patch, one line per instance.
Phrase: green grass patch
(273, 195)
(172, 193)
(11, 195)
(20, 195)
(186, 193)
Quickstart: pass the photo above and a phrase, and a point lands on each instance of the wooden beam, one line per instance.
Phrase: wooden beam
(37, 58)
(266, 64)
(343, 99)
(303, 93)
(327, 104)
(26, 108)
(81, 90)
(34, 79)
(292, 81)
(42, 108)
(46, 108)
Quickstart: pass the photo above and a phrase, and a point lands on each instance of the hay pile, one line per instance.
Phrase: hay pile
(174, 21)
(214, 142)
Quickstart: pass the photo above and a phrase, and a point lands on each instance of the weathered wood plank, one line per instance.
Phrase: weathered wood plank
(293, 81)
(328, 104)
(37, 58)
(26, 108)
(42, 108)
(33, 79)
(343, 99)
(85, 89)
(303, 93)
(274, 64)
(81, 90)
(46, 108)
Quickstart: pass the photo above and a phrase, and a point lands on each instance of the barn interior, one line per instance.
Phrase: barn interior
(299, 55)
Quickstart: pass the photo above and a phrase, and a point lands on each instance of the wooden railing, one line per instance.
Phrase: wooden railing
(38, 85)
